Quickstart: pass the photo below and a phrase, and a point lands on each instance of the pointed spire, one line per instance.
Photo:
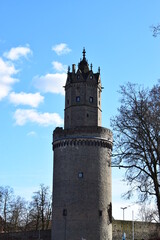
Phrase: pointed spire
(83, 65)
(91, 66)
(84, 53)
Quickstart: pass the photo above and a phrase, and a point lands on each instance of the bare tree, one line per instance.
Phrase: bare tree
(41, 208)
(27, 218)
(147, 213)
(48, 212)
(1, 199)
(6, 199)
(137, 140)
(156, 30)
(18, 214)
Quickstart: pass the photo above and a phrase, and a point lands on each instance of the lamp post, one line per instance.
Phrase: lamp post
(133, 224)
(123, 208)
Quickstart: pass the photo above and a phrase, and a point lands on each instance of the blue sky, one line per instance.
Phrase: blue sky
(38, 40)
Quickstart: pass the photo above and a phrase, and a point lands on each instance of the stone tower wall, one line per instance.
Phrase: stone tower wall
(86, 111)
(82, 206)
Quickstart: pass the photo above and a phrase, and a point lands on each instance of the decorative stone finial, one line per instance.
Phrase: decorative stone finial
(98, 69)
(68, 69)
(84, 53)
(73, 68)
(91, 66)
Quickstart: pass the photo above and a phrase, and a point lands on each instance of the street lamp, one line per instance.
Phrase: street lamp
(133, 224)
(123, 208)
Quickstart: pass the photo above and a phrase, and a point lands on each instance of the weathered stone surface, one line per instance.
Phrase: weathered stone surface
(142, 230)
(88, 199)
(82, 97)
(82, 202)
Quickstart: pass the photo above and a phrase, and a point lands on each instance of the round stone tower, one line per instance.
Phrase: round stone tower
(82, 202)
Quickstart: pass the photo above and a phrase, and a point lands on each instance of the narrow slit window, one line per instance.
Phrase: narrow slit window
(91, 99)
(80, 175)
(78, 99)
(65, 212)
(100, 213)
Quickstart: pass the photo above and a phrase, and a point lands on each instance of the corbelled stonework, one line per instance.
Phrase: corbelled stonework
(83, 136)
(82, 203)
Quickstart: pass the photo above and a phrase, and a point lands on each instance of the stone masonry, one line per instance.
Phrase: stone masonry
(82, 204)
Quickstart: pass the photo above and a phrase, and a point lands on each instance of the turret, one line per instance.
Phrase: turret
(82, 96)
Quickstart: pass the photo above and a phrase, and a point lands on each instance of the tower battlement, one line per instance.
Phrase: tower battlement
(87, 131)
(88, 136)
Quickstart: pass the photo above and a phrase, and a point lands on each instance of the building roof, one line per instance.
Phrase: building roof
(83, 73)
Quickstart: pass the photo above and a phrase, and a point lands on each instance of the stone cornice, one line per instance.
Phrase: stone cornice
(82, 141)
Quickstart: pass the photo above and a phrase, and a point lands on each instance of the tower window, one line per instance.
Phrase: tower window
(78, 77)
(100, 213)
(80, 175)
(91, 77)
(67, 101)
(110, 212)
(91, 99)
(78, 99)
(65, 212)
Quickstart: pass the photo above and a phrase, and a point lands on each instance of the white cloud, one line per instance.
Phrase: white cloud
(7, 70)
(23, 116)
(32, 133)
(31, 99)
(59, 66)
(4, 90)
(52, 83)
(61, 49)
(16, 53)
